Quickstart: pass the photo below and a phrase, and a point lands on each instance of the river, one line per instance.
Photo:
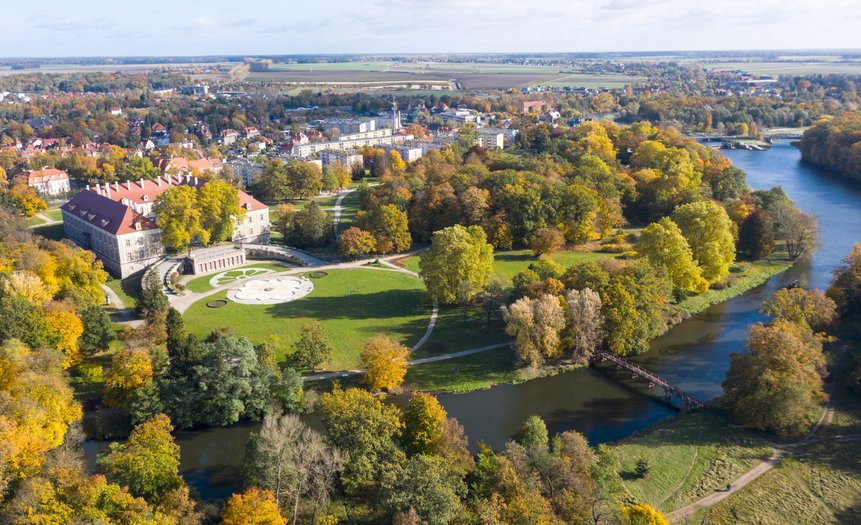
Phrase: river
(694, 354)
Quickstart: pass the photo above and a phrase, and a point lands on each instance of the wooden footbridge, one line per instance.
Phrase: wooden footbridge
(670, 390)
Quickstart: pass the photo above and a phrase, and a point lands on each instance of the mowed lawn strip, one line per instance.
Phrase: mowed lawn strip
(690, 456)
(465, 374)
(352, 305)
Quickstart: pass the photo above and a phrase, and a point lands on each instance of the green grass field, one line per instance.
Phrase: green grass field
(452, 333)
(128, 289)
(510, 263)
(587, 80)
(690, 456)
(53, 231)
(746, 275)
(349, 208)
(465, 374)
(794, 67)
(201, 284)
(353, 305)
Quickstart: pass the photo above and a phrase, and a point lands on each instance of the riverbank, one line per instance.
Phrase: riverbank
(488, 369)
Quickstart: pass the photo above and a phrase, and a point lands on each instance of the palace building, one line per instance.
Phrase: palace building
(116, 221)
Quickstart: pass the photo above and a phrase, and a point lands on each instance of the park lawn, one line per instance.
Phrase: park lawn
(349, 208)
(128, 289)
(822, 486)
(52, 231)
(509, 263)
(690, 457)
(465, 374)
(452, 333)
(54, 214)
(743, 277)
(352, 305)
(201, 284)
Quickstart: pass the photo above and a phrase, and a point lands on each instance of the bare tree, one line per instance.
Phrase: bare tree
(292, 460)
(585, 323)
(795, 228)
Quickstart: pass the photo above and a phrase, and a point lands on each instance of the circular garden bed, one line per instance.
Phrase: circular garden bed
(317, 275)
(218, 303)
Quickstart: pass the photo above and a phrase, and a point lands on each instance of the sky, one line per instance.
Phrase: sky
(274, 27)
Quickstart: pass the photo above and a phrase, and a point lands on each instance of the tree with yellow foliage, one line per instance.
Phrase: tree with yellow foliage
(37, 410)
(130, 370)
(148, 463)
(385, 362)
(641, 514)
(64, 328)
(252, 507)
(26, 285)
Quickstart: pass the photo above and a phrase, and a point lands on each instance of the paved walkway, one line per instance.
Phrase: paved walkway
(337, 211)
(119, 311)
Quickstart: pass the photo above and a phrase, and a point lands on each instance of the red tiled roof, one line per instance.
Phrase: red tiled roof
(45, 175)
(107, 202)
(106, 214)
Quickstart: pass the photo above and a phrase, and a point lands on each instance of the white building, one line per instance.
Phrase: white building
(48, 181)
(347, 158)
(489, 138)
(459, 117)
(117, 223)
(350, 142)
(244, 170)
(349, 126)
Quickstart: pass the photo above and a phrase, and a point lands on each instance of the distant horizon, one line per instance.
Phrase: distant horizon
(87, 28)
(656, 52)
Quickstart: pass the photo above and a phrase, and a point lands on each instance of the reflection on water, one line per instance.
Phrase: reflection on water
(605, 404)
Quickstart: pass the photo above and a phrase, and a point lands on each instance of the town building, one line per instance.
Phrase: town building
(181, 165)
(116, 221)
(533, 106)
(380, 137)
(350, 126)
(350, 159)
(244, 170)
(459, 117)
(48, 181)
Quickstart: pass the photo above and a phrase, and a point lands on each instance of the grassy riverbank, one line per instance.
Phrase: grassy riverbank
(744, 276)
(690, 456)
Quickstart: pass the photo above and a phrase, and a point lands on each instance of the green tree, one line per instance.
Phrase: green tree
(305, 179)
(218, 203)
(274, 184)
(708, 230)
(533, 433)
(312, 348)
(663, 244)
(98, 330)
(756, 235)
(138, 168)
(389, 226)
(457, 255)
(364, 427)
(425, 484)
(311, 226)
(178, 217)
(148, 463)
(424, 424)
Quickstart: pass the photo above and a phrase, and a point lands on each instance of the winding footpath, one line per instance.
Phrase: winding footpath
(778, 453)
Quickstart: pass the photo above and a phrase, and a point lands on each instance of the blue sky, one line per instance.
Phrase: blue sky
(242, 27)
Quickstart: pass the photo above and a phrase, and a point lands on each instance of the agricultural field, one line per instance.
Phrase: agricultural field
(353, 305)
(789, 67)
(468, 75)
